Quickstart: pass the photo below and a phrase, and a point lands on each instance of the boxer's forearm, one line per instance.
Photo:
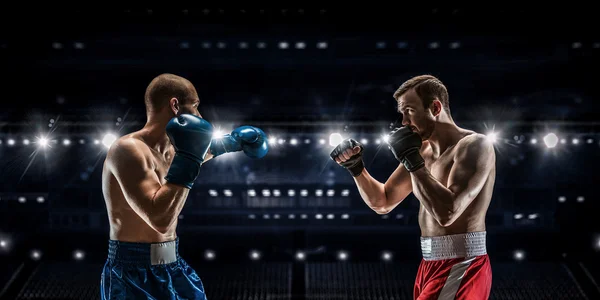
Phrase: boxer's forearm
(372, 192)
(167, 205)
(434, 196)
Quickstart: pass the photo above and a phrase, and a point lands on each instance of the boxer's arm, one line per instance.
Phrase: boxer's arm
(158, 205)
(473, 162)
(384, 197)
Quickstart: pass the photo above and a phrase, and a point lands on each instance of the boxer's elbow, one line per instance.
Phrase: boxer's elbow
(381, 210)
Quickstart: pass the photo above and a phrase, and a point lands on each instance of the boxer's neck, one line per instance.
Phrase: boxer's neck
(155, 134)
(444, 135)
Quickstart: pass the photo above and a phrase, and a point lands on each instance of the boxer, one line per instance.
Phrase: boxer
(451, 171)
(146, 179)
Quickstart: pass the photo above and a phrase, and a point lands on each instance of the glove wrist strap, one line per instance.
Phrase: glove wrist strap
(183, 171)
(354, 167)
(413, 161)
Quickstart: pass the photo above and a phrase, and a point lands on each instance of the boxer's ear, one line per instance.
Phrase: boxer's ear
(435, 107)
(174, 106)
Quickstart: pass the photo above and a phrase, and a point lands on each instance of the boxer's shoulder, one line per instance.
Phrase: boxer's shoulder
(473, 143)
(128, 149)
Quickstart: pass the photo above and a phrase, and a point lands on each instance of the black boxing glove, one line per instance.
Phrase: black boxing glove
(405, 145)
(355, 164)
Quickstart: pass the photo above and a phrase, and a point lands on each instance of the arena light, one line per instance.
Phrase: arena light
(217, 134)
(66, 142)
(386, 255)
(300, 255)
(209, 254)
(335, 139)
(78, 255)
(26, 142)
(342, 255)
(551, 140)
(3, 244)
(519, 255)
(385, 138)
(254, 255)
(492, 136)
(42, 142)
(36, 254)
(108, 140)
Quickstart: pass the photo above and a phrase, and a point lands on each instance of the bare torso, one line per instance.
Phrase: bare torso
(125, 223)
(473, 218)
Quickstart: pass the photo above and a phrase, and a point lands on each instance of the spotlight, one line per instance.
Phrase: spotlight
(386, 256)
(551, 140)
(108, 139)
(217, 134)
(209, 255)
(342, 255)
(254, 255)
(78, 255)
(43, 142)
(385, 138)
(300, 255)
(492, 136)
(335, 139)
(36, 254)
(519, 255)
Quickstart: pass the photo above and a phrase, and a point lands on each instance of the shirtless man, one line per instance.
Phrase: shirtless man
(146, 179)
(451, 171)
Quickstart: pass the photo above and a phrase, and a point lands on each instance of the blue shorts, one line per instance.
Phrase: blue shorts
(148, 271)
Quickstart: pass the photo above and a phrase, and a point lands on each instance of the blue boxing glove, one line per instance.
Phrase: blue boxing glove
(251, 140)
(191, 136)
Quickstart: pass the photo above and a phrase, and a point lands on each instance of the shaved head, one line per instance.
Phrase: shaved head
(165, 87)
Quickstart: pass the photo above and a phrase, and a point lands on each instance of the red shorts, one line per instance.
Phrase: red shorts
(441, 275)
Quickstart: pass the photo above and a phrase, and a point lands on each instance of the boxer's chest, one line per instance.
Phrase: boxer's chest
(441, 166)
(161, 165)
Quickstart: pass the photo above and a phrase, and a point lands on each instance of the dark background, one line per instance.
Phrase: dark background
(77, 74)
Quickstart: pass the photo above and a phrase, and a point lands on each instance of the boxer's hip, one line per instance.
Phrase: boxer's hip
(444, 247)
(148, 271)
(454, 267)
(143, 254)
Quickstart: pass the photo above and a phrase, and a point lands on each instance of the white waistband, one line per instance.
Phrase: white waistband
(163, 253)
(453, 246)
